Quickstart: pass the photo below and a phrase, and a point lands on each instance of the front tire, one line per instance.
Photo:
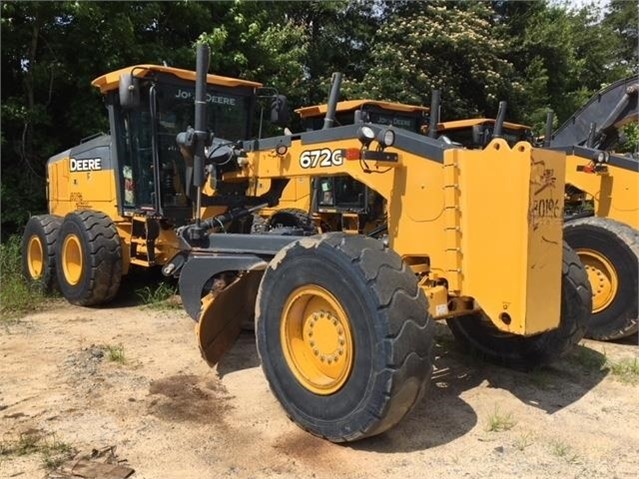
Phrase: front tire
(88, 258)
(344, 335)
(38, 251)
(477, 333)
(610, 252)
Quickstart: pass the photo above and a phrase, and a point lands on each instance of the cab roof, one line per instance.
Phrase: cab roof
(450, 125)
(110, 81)
(351, 105)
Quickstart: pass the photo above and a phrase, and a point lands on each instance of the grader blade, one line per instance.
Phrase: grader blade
(223, 313)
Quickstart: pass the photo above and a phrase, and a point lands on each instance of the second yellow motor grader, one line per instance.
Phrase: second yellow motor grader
(602, 221)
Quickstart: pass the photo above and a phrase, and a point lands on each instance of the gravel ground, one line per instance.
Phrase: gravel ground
(131, 377)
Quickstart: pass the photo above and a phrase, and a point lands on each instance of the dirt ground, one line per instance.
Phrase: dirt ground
(171, 416)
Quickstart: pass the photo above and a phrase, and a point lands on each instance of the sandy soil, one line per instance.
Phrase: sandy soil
(171, 416)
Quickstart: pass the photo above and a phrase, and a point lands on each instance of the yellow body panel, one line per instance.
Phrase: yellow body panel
(615, 193)
(476, 217)
(511, 262)
(297, 195)
(81, 190)
(110, 81)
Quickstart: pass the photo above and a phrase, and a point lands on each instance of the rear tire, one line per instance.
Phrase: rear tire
(88, 258)
(369, 361)
(610, 252)
(292, 218)
(38, 251)
(477, 333)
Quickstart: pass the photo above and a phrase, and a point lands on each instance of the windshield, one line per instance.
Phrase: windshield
(148, 186)
(403, 120)
(227, 113)
(469, 138)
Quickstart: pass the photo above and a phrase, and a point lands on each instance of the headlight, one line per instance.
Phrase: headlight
(365, 135)
(386, 138)
(603, 157)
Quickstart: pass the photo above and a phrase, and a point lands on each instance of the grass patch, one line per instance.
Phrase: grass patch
(523, 441)
(498, 422)
(541, 378)
(17, 297)
(116, 354)
(625, 370)
(564, 451)
(158, 296)
(588, 359)
(53, 452)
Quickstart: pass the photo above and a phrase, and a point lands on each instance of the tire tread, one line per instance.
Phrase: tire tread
(105, 258)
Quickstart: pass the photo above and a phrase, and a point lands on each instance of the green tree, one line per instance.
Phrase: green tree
(443, 45)
(561, 56)
(622, 18)
(50, 53)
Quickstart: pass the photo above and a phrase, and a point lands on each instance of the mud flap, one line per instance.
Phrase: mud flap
(223, 313)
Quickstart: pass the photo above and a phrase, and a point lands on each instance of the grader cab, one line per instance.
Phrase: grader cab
(344, 321)
(116, 199)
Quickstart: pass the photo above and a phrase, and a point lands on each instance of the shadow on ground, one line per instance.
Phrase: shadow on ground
(443, 415)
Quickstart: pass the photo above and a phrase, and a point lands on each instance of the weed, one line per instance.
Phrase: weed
(523, 441)
(498, 422)
(116, 354)
(588, 359)
(53, 451)
(625, 370)
(28, 443)
(156, 297)
(17, 297)
(56, 454)
(541, 378)
(563, 450)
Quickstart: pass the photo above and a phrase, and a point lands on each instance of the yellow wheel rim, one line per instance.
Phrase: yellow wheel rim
(602, 276)
(72, 259)
(317, 339)
(35, 257)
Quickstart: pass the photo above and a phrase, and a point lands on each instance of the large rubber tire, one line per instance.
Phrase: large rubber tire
(292, 217)
(38, 251)
(88, 258)
(478, 334)
(610, 252)
(385, 316)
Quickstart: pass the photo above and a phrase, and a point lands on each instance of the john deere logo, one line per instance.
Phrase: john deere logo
(89, 164)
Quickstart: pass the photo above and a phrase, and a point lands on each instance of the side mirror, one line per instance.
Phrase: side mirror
(129, 88)
(478, 135)
(280, 114)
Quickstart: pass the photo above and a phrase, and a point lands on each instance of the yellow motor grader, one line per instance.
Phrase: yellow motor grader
(116, 199)
(344, 321)
(602, 206)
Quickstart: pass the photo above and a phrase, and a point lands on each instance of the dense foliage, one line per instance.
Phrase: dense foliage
(537, 55)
